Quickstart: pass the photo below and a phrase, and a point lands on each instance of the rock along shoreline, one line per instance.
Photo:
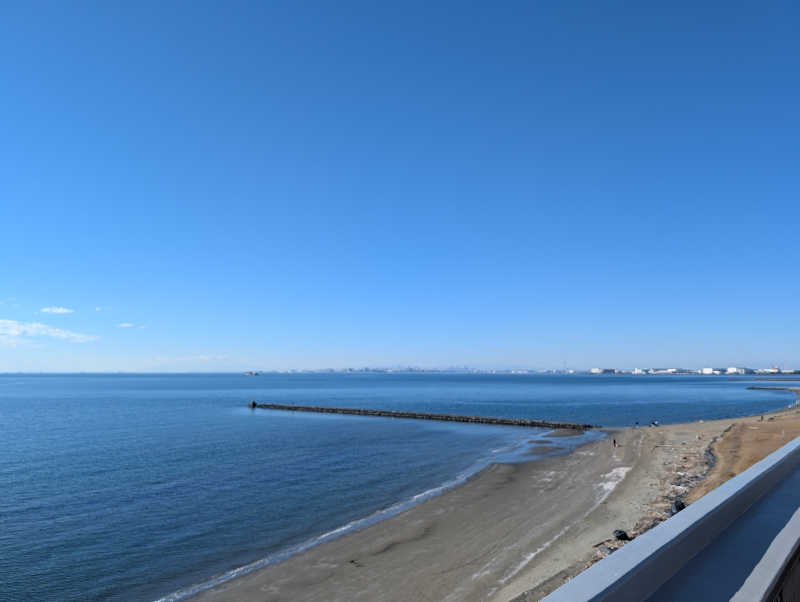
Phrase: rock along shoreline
(423, 416)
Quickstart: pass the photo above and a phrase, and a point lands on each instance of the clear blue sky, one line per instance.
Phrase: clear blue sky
(328, 184)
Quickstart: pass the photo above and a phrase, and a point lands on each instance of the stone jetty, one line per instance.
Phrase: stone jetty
(422, 416)
(795, 390)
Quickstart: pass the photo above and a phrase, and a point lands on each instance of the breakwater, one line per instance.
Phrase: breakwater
(795, 390)
(424, 416)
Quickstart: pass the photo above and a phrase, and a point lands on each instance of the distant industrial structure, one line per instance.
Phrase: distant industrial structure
(707, 371)
(730, 371)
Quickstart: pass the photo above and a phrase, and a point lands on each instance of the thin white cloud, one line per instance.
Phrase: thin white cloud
(98, 309)
(13, 332)
(56, 310)
(126, 325)
(9, 341)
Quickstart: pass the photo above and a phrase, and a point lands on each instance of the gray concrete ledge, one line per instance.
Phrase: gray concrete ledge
(637, 570)
(775, 567)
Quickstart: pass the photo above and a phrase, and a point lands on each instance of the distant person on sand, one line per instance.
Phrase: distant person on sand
(614, 441)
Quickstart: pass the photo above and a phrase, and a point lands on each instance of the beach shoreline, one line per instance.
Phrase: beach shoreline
(511, 531)
(438, 541)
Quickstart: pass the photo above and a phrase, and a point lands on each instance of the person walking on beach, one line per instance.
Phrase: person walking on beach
(614, 442)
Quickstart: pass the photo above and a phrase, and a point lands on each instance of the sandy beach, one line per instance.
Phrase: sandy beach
(518, 531)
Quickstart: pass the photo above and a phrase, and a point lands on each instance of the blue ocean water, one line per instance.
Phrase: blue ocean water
(135, 487)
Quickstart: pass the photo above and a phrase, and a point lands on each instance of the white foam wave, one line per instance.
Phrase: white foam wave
(496, 455)
(333, 534)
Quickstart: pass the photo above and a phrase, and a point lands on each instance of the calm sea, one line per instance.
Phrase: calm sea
(140, 487)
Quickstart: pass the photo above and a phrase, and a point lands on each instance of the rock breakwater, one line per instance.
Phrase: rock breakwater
(423, 416)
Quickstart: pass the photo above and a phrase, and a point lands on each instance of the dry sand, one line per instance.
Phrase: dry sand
(518, 531)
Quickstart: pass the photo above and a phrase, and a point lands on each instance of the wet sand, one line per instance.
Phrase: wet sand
(518, 531)
(462, 545)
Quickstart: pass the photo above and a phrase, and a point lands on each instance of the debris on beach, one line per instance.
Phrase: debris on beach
(684, 474)
(676, 507)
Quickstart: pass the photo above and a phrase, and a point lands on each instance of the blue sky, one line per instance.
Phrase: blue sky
(327, 184)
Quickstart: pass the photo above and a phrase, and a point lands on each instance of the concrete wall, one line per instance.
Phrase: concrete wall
(637, 570)
(777, 576)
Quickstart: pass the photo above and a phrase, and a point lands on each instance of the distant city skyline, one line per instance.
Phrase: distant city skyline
(194, 186)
